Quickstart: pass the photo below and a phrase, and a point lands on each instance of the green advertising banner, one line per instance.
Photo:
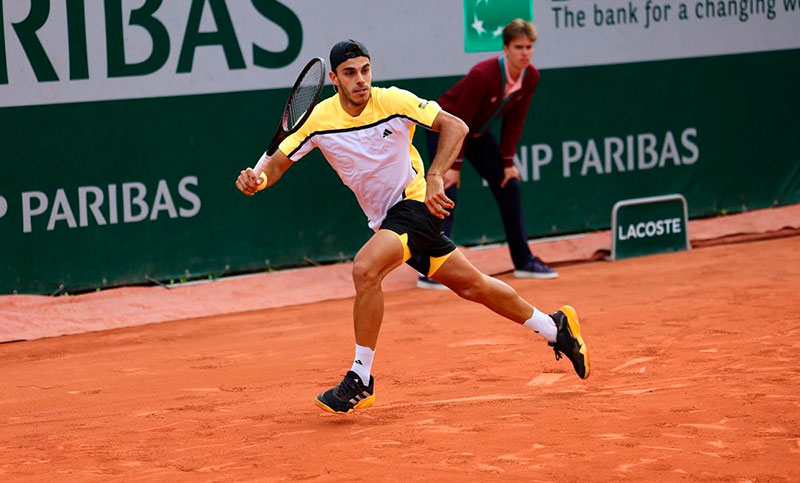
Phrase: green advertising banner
(151, 197)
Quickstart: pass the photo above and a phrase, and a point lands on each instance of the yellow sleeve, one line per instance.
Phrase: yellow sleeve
(299, 143)
(407, 104)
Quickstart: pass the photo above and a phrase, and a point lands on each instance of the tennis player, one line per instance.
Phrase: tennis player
(365, 134)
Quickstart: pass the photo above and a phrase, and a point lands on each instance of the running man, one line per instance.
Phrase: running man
(365, 134)
(499, 89)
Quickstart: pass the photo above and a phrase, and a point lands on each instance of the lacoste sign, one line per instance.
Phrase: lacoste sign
(645, 226)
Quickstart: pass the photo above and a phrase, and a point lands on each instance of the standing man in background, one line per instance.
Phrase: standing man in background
(497, 88)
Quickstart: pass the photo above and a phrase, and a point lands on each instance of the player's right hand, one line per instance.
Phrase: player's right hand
(248, 182)
(435, 200)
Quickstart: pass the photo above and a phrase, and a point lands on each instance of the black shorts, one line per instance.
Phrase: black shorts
(425, 246)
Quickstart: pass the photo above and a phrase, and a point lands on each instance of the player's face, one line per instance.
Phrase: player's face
(353, 78)
(519, 52)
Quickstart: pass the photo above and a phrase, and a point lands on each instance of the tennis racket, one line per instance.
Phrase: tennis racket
(301, 102)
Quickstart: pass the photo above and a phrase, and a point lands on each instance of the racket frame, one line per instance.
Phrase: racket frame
(281, 133)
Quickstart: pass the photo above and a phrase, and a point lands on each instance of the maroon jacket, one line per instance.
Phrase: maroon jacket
(479, 94)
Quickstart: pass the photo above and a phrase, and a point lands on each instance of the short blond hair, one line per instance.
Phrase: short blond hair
(519, 28)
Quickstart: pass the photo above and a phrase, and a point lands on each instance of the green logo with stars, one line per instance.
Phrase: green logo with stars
(484, 21)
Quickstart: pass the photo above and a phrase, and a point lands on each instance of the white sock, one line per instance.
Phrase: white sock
(362, 364)
(542, 324)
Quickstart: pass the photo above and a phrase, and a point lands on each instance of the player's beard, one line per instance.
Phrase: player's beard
(355, 101)
(351, 97)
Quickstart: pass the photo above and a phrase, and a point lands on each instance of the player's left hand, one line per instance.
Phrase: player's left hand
(435, 199)
(509, 173)
(248, 182)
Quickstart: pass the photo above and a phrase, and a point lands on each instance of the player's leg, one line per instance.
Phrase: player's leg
(561, 329)
(461, 276)
(380, 255)
(484, 155)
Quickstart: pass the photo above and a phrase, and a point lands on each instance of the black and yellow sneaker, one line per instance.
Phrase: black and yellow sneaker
(349, 395)
(569, 341)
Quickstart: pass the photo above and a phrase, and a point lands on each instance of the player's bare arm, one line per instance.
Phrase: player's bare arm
(272, 167)
(452, 131)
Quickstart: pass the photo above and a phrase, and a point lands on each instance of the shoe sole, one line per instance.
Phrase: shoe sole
(430, 286)
(363, 404)
(538, 276)
(575, 329)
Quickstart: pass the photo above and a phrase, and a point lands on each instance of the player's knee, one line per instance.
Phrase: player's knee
(471, 289)
(365, 274)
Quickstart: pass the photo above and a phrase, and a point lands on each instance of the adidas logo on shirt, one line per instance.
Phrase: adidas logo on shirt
(386, 132)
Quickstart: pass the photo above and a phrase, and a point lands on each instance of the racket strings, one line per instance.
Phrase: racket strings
(304, 96)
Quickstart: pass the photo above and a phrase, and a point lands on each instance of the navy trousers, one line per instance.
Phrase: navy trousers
(484, 154)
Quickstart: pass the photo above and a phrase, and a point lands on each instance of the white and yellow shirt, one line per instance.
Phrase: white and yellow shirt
(372, 152)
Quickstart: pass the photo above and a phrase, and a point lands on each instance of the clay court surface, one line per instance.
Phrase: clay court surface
(695, 376)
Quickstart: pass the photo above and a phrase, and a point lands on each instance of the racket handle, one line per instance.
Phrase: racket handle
(262, 162)
(259, 170)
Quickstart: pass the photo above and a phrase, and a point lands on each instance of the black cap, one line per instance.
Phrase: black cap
(347, 49)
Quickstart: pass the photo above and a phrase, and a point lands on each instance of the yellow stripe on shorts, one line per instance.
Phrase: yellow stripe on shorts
(436, 263)
(404, 240)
